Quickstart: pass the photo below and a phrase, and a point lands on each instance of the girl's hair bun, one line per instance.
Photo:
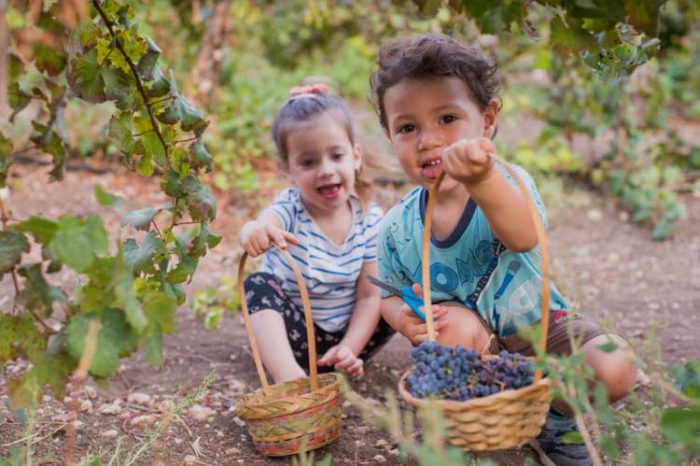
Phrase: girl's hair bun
(308, 91)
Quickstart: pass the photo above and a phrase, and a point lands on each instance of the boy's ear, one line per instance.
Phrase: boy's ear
(357, 153)
(491, 117)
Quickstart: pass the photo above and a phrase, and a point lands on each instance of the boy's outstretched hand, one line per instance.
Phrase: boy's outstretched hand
(341, 357)
(469, 160)
(258, 238)
(413, 327)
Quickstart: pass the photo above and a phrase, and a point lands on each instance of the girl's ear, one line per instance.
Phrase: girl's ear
(357, 154)
(490, 114)
(283, 167)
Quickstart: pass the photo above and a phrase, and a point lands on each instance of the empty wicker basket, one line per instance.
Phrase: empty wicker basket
(289, 417)
(506, 419)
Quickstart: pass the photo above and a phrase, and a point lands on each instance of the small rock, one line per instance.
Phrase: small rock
(111, 433)
(143, 420)
(111, 408)
(177, 441)
(379, 458)
(85, 406)
(594, 215)
(140, 398)
(381, 443)
(190, 459)
(233, 451)
(201, 413)
(239, 422)
(90, 392)
(394, 452)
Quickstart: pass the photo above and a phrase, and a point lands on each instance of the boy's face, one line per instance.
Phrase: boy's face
(424, 116)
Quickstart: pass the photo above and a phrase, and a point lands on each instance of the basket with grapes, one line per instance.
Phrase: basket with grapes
(489, 402)
(286, 418)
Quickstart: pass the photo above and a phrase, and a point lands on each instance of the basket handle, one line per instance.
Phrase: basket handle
(541, 240)
(310, 336)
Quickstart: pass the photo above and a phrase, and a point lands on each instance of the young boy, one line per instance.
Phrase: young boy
(437, 102)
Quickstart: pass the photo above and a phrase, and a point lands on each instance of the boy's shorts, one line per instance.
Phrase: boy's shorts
(558, 339)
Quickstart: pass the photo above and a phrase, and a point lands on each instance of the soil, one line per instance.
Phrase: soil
(609, 267)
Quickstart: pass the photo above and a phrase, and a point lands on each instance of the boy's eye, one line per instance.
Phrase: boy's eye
(306, 163)
(337, 156)
(405, 129)
(446, 119)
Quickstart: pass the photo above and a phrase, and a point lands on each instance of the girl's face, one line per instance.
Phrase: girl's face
(424, 116)
(321, 162)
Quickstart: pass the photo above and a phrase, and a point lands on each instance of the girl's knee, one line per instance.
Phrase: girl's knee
(464, 328)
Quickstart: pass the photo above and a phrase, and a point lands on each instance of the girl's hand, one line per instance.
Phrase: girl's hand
(469, 160)
(416, 329)
(341, 357)
(263, 236)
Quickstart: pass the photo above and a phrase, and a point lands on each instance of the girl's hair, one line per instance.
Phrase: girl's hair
(304, 103)
(431, 55)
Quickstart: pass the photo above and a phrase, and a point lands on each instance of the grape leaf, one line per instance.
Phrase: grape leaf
(12, 245)
(115, 339)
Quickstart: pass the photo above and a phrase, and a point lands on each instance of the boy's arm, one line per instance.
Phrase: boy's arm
(365, 316)
(506, 209)
(402, 319)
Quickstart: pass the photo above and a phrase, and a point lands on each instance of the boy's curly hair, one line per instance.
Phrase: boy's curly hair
(433, 55)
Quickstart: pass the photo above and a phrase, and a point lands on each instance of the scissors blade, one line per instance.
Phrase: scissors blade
(387, 287)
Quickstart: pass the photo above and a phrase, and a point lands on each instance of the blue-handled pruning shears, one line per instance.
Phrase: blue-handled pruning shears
(407, 294)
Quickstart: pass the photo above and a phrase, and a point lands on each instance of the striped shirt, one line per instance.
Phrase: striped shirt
(330, 270)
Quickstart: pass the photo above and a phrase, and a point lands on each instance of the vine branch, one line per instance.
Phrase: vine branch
(139, 85)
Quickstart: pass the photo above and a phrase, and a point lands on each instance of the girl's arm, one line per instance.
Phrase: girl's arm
(365, 316)
(257, 236)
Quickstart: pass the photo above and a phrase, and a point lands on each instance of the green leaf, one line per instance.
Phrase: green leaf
(201, 203)
(107, 199)
(52, 370)
(160, 310)
(191, 117)
(681, 425)
(115, 339)
(126, 298)
(85, 77)
(204, 240)
(140, 219)
(20, 336)
(200, 156)
(573, 437)
(77, 242)
(140, 258)
(86, 33)
(119, 88)
(183, 271)
(153, 349)
(51, 142)
(51, 60)
(120, 132)
(607, 347)
(145, 166)
(5, 158)
(42, 229)
(38, 294)
(159, 87)
(153, 148)
(12, 245)
(147, 63)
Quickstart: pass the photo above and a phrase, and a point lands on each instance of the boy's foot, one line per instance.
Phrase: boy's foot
(553, 450)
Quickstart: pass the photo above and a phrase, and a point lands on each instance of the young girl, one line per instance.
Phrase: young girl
(437, 102)
(331, 233)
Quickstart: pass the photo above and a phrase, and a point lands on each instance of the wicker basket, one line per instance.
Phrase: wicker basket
(289, 417)
(506, 419)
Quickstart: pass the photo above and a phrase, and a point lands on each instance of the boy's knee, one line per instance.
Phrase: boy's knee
(617, 369)
(465, 328)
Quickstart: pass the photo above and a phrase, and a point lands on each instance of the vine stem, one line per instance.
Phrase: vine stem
(139, 85)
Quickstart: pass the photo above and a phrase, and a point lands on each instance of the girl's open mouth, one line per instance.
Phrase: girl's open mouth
(432, 168)
(329, 191)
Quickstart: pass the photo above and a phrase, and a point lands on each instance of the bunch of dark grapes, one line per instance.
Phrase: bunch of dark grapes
(461, 374)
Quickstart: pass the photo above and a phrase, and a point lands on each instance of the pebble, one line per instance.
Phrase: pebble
(111, 408)
(111, 433)
(201, 413)
(379, 458)
(190, 459)
(90, 392)
(143, 420)
(239, 422)
(233, 451)
(140, 398)
(381, 443)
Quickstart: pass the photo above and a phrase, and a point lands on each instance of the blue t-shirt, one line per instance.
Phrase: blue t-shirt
(470, 266)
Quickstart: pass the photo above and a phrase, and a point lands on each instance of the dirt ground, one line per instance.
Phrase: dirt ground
(610, 268)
